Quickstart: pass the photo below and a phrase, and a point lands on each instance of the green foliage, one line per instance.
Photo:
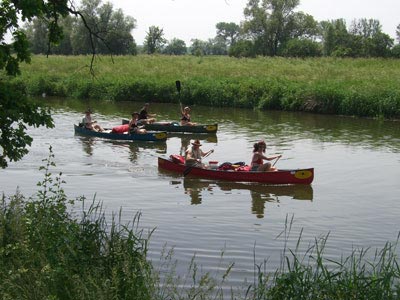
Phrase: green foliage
(396, 51)
(360, 275)
(272, 23)
(154, 40)
(362, 87)
(242, 48)
(176, 47)
(229, 32)
(111, 32)
(301, 48)
(49, 252)
(17, 112)
(363, 39)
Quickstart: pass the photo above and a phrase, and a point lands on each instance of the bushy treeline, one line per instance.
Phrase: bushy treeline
(361, 87)
(102, 30)
(270, 28)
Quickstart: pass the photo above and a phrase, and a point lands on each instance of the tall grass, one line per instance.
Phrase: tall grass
(362, 87)
(310, 275)
(48, 251)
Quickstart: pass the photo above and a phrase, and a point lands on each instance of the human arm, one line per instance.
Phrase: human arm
(207, 153)
(272, 157)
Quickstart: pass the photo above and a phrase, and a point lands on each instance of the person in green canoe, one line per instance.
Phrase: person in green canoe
(90, 124)
(145, 117)
(185, 118)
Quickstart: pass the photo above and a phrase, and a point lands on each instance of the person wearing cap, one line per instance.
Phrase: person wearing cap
(88, 123)
(145, 117)
(185, 118)
(257, 161)
(133, 124)
(194, 154)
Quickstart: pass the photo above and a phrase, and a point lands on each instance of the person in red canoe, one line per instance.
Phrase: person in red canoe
(185, 118)
(257, 161)
(133, 125)
(194, 154)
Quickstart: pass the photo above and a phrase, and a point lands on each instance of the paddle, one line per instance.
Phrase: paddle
(276, 160)
(178, 88)
(188, 169)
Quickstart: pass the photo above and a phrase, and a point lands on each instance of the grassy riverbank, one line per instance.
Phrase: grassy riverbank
(48, 250)
(361, 87)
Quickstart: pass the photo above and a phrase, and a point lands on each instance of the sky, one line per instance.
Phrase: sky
(196, 19)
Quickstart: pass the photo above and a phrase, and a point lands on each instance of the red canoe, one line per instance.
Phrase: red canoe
(295, 176)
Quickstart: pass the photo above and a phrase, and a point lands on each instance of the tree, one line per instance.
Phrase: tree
(16, 110)
(371, 41)
(198, 47)
(395, 52)
(176, 47)
(242, 48)
(398, 33)
(228, 32)
(335, 36)
(272, 23)
(37, 34)
(154, 40)
(302, 48)
(115, 30)
(216, 46)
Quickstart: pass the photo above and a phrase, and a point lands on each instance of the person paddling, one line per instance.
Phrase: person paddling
(257, 161)
(194, 154)
(185, 118)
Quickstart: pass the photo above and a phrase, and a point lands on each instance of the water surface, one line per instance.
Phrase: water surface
(354, 196)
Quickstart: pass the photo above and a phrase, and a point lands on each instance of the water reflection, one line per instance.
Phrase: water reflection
(88, 145)
(187, 138)
(260, 193)
(286, 126)
(136, 147)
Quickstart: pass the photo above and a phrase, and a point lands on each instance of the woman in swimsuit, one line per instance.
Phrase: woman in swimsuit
(185, 119)
(257, 163)
(133, 124)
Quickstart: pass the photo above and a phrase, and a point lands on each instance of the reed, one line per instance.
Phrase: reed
(308, 274)
(49, 252)
(361, 87)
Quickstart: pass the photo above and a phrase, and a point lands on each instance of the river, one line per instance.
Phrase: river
(354, 197)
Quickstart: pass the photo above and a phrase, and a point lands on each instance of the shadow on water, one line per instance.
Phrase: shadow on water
(260, 193)
(89, 145)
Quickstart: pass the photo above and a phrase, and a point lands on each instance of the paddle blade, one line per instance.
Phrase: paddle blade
(178, 86)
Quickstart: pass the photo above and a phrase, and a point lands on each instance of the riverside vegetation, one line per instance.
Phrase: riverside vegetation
(357, 87)
(49, 250)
